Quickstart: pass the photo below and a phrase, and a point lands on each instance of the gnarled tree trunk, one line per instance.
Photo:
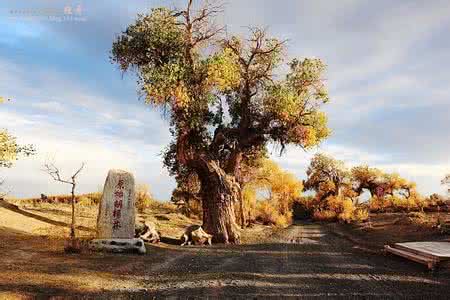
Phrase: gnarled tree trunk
(220, 192)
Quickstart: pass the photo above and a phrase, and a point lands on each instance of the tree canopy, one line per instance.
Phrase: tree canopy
(326, 173)
(223, 97)
(9, 149)
(166, 49)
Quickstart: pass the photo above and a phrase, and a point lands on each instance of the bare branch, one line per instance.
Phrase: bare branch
(54, 172)
(78, 171)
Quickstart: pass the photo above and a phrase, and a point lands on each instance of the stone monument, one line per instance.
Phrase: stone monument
(116, 215)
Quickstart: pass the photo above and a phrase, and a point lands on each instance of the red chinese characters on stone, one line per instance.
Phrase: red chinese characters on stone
(116, 224)
(118, 204)
(120, 184)
(118, 194)
(117, 213)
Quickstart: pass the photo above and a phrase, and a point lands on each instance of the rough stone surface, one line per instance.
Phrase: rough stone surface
(196, 235)
(118, 245)
(116, 215)
(147, 231)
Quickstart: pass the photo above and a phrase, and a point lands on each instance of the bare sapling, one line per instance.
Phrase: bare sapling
(55, 173)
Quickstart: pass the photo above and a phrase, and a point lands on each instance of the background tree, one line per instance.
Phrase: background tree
(187, 194)
(249, 171)
(365, 178)
(334, 195)
(277, 191)
(143, 197)
(10, 151)
(55, 174)
(446, 181)
(326, 176)
(185, 67)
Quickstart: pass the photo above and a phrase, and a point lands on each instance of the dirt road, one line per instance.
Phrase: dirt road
(300, 261)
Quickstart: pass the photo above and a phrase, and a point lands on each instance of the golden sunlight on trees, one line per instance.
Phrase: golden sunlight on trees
(334, 198)
(338, 189)
(9, 149)
(224, 99)
(280, 188)
(144, 197)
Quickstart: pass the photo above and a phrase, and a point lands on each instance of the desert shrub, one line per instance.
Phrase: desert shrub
(95, 197)
(360, 215)
(347, 211)
(418, 218)
(395, 203)
(325, 215)
(338, 208)
(85, 201)
(380, 204)
(249, 198)
(267, 213)
(143, 197)
(283, 220)
(88, 199)
(282, 189)
(435, 200)
(186, 196)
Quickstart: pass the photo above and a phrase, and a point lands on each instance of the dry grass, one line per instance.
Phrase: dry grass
(51, 217)
(90, 198)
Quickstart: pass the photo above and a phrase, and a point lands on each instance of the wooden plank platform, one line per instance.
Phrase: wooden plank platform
(429, 262)
(434, 249)
(427, 253)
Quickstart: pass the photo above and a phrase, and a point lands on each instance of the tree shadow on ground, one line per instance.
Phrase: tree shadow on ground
(50, 211)
(272, 270)
(170, 241)
(16, 209)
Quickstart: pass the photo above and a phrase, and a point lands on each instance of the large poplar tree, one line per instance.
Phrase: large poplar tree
(223, 99)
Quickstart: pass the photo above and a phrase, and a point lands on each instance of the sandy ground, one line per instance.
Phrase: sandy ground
(390, 228)
(303, 260)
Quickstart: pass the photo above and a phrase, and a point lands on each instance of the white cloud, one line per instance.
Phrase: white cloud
(130, 122)
(68, 150)
(88, 128)
(49, 106)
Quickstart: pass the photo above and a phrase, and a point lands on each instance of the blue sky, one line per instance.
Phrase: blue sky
(387, 76)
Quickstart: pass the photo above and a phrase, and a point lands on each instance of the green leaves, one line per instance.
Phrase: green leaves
(224, 71)
(153, 40)
(153, 46)
(325, 173)
(183, 69)
(294, 104)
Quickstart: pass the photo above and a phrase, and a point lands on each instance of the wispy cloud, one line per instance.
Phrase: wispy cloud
(49, 106)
